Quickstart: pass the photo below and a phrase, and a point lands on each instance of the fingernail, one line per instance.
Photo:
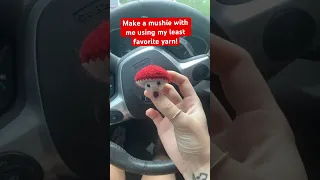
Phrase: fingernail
(155, 94)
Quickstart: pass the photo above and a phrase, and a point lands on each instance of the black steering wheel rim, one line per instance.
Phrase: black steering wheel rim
(120, 105)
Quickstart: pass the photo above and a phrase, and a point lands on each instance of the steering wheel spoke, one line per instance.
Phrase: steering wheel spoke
(114, 60)
(118, 110)
(196, 68)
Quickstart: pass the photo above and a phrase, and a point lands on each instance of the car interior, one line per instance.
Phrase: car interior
(54, 119)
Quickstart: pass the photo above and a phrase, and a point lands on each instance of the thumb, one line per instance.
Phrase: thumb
(166, 107)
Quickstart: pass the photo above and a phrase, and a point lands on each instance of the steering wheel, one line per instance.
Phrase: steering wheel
(129, 101)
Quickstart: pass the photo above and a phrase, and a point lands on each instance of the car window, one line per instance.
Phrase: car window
(201, 5)
(114, 2)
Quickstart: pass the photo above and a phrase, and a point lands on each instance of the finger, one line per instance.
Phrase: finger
(116, 173)
(184, 84)
(154, 115)
(220, 120)
(166, 107)
(242, 82)
(171, 93)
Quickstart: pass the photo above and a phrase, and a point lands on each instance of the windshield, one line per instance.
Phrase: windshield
(201, 5)
(114, 2)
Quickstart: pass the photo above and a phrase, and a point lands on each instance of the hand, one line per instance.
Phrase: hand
(260, 141)
(183, 131)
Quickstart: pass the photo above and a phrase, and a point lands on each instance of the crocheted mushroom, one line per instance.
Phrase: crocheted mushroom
(152, 78)
(95, 52)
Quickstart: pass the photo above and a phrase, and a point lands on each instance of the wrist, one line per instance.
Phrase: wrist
(196, 171)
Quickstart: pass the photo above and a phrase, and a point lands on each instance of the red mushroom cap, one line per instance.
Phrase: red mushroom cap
(152, 72)
(97, 44)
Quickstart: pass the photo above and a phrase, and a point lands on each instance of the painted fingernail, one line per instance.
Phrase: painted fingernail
(155, 94)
